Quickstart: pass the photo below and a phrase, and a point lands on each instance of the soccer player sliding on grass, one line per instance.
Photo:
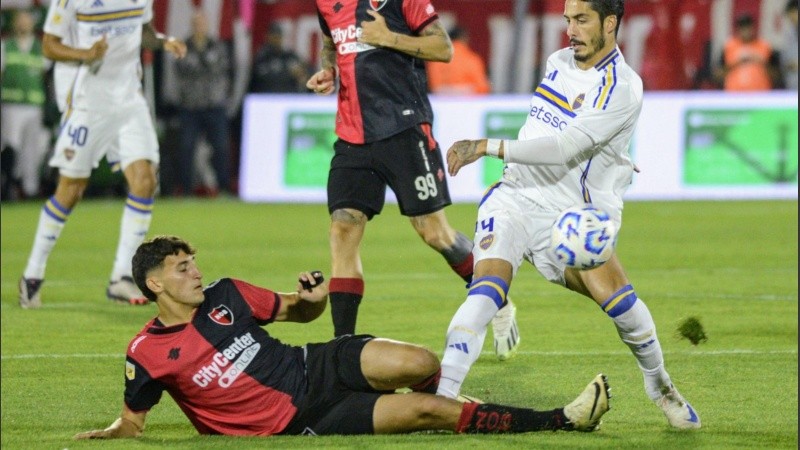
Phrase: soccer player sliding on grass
(207, 349)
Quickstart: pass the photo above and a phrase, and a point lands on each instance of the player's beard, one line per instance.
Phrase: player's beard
(594, 46)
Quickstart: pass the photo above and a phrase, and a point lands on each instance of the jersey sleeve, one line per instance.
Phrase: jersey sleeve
(60, 18)
(609, 107)
(263, 302)
(142, 392)
(419, 14)
(323, 24)
(147, 15)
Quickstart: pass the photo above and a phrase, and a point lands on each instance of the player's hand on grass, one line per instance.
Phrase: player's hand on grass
(464, 152)
(121, 428)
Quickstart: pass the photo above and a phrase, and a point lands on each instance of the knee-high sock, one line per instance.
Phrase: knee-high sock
(467, 331)
(459, 257)
(345, 295)
(490, 418)
(51, 221)
(133, 228)
(637, 330)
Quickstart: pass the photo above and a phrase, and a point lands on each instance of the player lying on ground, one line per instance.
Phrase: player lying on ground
(207, 349)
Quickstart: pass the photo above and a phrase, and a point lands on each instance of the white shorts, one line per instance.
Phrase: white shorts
(514, 228)
(123, 135)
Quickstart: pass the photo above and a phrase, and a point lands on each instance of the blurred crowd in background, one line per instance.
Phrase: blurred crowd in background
(241, 47)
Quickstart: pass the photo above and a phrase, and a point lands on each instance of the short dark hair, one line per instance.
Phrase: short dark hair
(791, 5)
(151, 255)
(607, 8)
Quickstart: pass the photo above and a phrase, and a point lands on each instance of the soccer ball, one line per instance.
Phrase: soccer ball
(583, 237)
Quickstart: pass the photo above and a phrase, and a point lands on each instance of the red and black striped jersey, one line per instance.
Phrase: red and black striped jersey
(381, 91)
(226, 373)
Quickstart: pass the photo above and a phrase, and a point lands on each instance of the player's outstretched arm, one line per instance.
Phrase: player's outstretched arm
(153, 40)
(433, 43)
(307, 303)
(464, 152)
(129, 425)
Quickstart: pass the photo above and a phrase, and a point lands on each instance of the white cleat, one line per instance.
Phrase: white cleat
(506, 332)
(584, 412)
(125, 291)
(29, 295)
(679, 412)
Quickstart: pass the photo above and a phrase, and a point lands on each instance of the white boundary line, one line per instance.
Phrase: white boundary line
(533, 353)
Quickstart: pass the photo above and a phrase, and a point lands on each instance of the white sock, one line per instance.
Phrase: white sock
(134, 226)
(467, 331)
(51, 222)
(637, 330)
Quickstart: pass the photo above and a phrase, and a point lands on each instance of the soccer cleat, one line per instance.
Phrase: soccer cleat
(506, 333)
(679, 412)
(29, 297)
(125, 291)
(584, 412)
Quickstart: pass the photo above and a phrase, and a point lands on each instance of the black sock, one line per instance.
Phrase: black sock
(344, 310)
(491, 418)
(345, 295)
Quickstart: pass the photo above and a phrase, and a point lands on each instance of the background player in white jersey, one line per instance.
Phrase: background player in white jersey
(573, 149)
(105, 115)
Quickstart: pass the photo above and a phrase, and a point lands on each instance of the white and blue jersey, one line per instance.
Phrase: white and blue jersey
(604, 102)
(104, 112)
(81, 23)
(516, 215)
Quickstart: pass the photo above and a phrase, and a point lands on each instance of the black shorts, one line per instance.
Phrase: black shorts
(339, 398)
(409, 162)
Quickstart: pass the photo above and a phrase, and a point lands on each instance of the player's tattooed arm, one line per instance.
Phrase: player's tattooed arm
(464, 152)
(432, 44)
(324, 81)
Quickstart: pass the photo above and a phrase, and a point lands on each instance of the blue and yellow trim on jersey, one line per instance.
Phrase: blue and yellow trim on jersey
(489, 191)
(587, 198)
(620, 302)
(111, 15)
(53, 209)
(608, 65)
(493, 287)
(140, 204)
(552, 97)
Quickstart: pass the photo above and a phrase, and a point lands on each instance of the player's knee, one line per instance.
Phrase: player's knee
(346, 220)
(419, 361)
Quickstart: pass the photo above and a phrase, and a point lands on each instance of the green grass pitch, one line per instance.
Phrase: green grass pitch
(734, 265)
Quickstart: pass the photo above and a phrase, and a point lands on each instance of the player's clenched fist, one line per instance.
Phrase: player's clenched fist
(323, 82)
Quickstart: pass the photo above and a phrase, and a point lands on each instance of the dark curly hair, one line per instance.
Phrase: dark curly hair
(151, 254)
(607, 8)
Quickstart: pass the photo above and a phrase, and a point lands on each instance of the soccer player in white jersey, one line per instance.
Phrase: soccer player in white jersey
(105, 115)
(573, 149)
